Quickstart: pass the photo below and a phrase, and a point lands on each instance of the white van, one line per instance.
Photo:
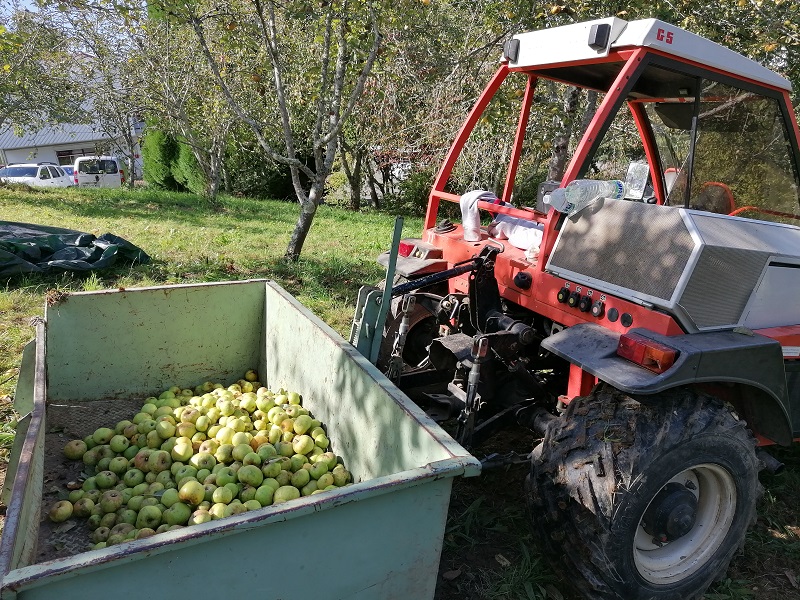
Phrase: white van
(98, 171)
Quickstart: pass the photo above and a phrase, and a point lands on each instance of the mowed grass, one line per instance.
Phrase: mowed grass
(488, 550)
(189, 242)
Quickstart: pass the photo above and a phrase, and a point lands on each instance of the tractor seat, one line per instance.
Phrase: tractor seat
(714, 197)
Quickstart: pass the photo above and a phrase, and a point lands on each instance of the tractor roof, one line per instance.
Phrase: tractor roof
(581, 42)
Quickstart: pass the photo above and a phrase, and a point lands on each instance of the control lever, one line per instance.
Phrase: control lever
(395, 369)
(466, 427)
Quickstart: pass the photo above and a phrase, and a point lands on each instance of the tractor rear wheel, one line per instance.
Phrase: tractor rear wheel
(644, 501)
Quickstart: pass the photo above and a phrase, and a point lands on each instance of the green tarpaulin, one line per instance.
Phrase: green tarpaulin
(28, 248)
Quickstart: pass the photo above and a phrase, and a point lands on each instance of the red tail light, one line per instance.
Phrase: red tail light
(650, 354)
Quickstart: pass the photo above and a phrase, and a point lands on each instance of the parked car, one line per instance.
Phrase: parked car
(36, 174)
(98, 171)
(69, 170)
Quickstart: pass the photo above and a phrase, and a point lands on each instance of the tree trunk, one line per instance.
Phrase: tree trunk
(558, 161)
(353, 175)
(308, 208)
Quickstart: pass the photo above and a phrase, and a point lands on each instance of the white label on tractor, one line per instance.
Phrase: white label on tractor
(791, 351)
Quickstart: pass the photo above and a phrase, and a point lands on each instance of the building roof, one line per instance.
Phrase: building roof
(50, 136)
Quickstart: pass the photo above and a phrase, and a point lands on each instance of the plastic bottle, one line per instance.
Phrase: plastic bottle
(581, 192)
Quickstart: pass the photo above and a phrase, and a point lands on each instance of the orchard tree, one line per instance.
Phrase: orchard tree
(309, 60)
(35, 88)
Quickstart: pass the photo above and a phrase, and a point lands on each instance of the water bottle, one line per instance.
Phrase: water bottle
(581, 192)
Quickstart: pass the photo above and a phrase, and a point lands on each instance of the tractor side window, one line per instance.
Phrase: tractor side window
(742, 155)
(621, 146)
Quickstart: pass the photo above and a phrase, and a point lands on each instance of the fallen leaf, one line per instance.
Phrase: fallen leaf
(450, 575)
(792, 579)
(504, 562)
(64, 527)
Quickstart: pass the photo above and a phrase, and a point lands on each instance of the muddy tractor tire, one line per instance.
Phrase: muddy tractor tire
(641, 501)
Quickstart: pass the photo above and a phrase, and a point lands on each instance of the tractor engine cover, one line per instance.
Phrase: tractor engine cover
(710, 271)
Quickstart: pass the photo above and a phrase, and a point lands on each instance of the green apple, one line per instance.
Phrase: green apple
(203, 460)
(75, 495)
(183, 450)
(149, 516)
(322, 441)
(118, 466)
(100, 534)
(102, 435)
(126, 515)
(131, 452)
(302, 423)
(106, 479)
(165, 429)
(90, 457)
(264, 494)
(119, 443)
(170, 497)
(158, 461)
(329, 458)
(271, 468)
(144, 532)
(250, 475)
(271, 482)
(285, 493)
(90, 483)
(298, 460)
(217, 511)
(222, 495)
(226, 475)
(235, 488)
(240, 451)
(202, 474)
(318, 469)
(177, 514)
(248, 493)
(83, 507)
(309, 488)
(133, 477)
(325, 480)
(165, 478)
(150, 408)
(300, 478)
(303, 444)
(199, 516)
(93, 495)
(192, 492)
(284, 477)
(111, 501)
(224, 453)
(75, 449)
(235, 508)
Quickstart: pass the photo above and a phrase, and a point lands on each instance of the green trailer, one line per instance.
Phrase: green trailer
(97, 355)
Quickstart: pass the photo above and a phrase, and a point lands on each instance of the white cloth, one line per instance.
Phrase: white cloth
(470, 215)
(522, 234)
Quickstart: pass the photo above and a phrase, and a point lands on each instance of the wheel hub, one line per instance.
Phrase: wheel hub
(671, 514)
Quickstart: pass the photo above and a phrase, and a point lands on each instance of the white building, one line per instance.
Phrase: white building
(62, 144)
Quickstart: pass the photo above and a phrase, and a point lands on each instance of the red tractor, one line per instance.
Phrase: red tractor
(650, 339)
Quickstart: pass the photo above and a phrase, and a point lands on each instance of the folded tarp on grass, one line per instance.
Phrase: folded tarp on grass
(28, 248)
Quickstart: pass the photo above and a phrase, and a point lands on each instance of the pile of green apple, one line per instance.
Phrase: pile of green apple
(190, 456)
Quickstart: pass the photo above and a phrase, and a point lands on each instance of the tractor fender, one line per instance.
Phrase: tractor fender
(754, 363)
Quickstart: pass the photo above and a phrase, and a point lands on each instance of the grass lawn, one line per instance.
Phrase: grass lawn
(488, 549)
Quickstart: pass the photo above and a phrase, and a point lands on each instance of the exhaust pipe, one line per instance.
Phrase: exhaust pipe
(771, 464)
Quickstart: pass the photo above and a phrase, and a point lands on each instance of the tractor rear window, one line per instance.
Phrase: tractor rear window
(742, 157)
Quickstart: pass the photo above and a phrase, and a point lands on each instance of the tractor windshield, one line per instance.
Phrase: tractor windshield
(725, 150)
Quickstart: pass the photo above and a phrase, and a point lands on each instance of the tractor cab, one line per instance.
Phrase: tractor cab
(608, 259)
(683, 121)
